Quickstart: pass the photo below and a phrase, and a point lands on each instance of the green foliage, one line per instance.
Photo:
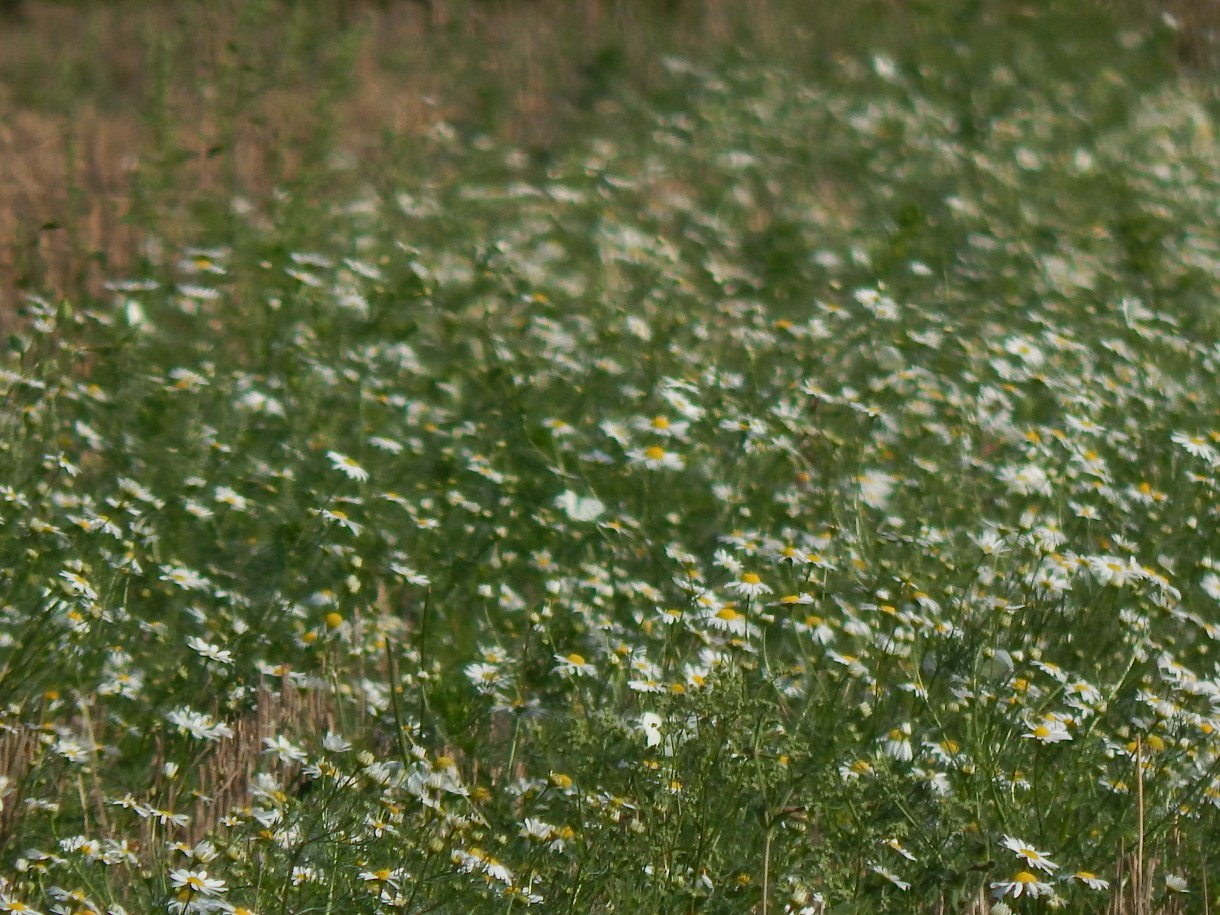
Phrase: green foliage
(798, 496)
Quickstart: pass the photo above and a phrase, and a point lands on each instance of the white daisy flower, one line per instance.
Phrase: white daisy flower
(348, 467)
(1022, 884)
(1031, 855)
(654, 457)
(749, 584)
(197, 882)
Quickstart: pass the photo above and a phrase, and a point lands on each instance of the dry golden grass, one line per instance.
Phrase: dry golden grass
(227, 773)
(103, 105)
(99, 102)
(18, 749)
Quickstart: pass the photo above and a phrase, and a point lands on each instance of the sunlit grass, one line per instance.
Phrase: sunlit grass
(796, 496)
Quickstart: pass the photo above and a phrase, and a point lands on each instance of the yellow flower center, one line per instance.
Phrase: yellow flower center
(654, 453)
(750, 579)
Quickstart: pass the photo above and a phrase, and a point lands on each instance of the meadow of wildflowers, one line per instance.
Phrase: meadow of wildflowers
(808, 506)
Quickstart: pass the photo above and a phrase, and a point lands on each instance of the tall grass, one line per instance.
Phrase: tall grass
(116, 110)
(648, 476)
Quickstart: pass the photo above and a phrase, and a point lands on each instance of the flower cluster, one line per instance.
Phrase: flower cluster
(669, 529)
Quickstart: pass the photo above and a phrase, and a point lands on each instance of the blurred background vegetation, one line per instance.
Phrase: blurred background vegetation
(131, 123)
